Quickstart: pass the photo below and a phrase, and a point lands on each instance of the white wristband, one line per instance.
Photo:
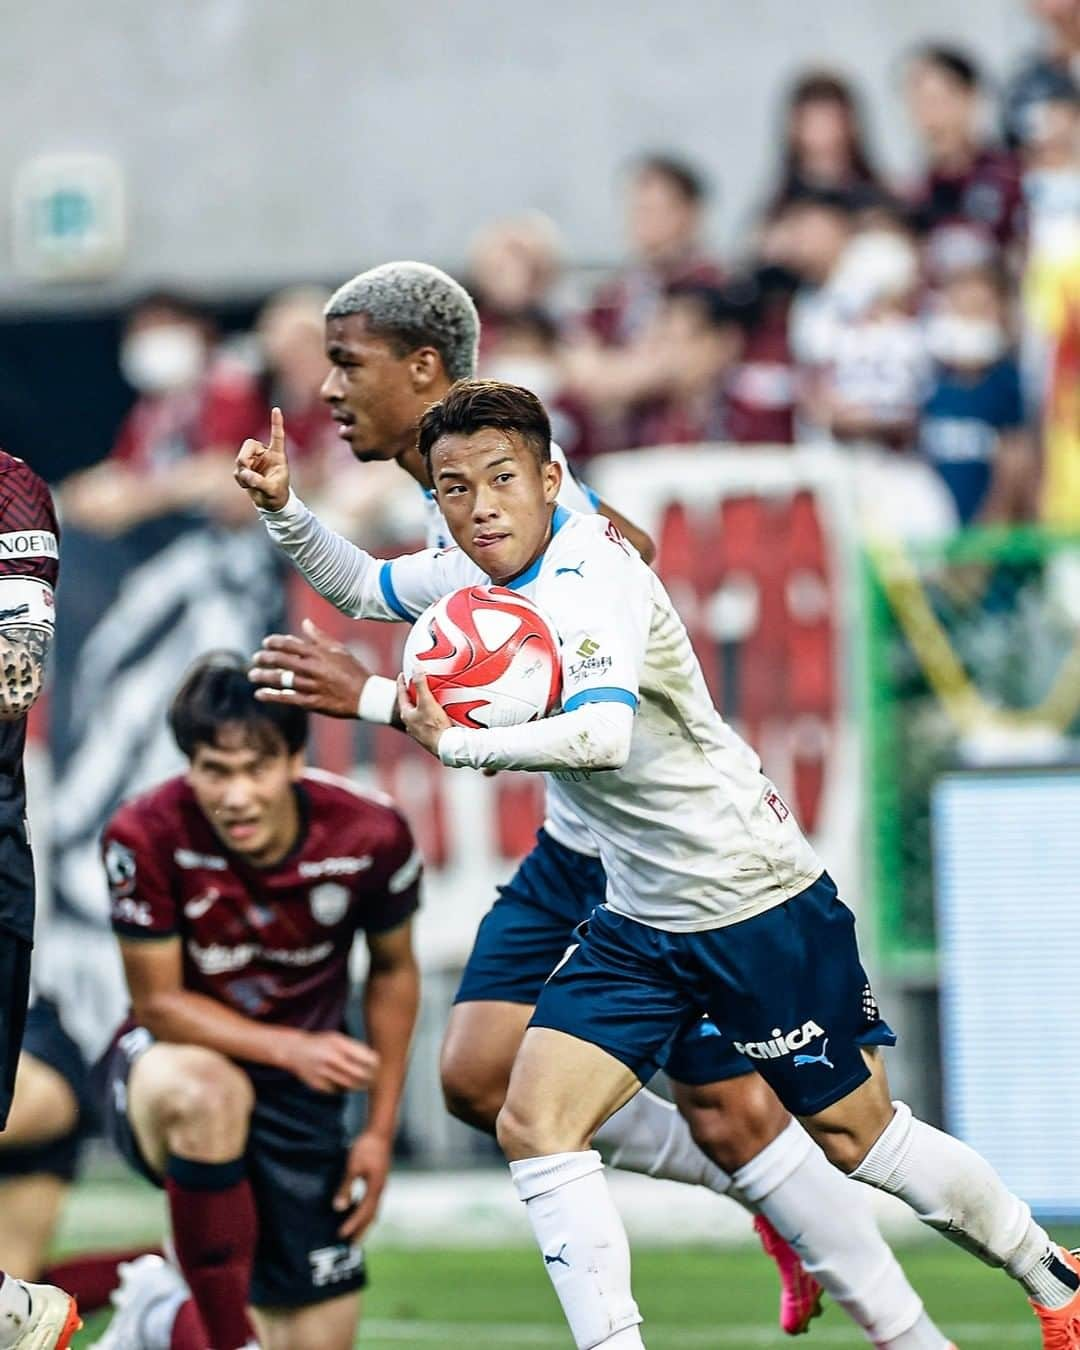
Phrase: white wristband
(26, 602)
(378, 700)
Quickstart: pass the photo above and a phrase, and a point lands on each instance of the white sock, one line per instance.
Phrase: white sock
(648, 1135)
(158, 1320)
(14, 1311)
(951, 1188)
(584, 1246)
(830, 1224)
(922, 1336)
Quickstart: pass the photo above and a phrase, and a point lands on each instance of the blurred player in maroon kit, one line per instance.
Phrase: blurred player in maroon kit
(32, 1317)
(237, 892)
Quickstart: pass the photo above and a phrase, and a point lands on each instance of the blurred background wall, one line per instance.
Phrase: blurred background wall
(261, 141)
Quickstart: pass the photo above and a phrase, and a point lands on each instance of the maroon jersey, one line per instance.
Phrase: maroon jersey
(987, 196)
(623, 306)
(273, 943)
(29, 554)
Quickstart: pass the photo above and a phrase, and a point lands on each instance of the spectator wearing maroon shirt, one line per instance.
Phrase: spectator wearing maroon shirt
(700, 337)
(763, 390)
(191, 405)
(665, 206)
(967, 180)
(237, 892)
(515, 265)
(825, 142)
(290, 336)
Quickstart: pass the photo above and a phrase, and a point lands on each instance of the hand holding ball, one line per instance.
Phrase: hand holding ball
(491, 657)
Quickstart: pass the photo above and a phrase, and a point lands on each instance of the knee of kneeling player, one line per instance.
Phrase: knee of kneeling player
(212, 1098)
(732, 1124)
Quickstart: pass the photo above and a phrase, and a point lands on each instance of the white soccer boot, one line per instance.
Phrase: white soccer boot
(144, 1283)
(53, 1320)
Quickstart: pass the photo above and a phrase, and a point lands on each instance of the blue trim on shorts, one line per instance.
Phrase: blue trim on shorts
(386, 584)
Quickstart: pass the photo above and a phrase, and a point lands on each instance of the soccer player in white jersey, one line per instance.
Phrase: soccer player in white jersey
(396, 336)
(716, 903)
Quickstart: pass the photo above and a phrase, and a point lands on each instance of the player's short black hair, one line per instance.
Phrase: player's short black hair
(216, 693)
(688, 181)
(472, 405)
(951, 61)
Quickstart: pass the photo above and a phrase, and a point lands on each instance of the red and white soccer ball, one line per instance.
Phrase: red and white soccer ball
(490, 656)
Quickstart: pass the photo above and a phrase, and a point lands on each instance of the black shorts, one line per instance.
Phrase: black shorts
(15, 986)
(46, 1039)
(296, 1157)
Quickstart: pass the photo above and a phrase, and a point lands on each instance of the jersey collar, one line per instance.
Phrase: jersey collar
(558, 520)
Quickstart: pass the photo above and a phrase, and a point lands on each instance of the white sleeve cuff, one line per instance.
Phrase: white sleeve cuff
(453, 748)
(378, 699)
(593, 737)
(293, 510)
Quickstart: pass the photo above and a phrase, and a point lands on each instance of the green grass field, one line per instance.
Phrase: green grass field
(480, 1299)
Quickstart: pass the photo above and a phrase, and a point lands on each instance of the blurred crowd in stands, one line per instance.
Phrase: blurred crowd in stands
(931, 327)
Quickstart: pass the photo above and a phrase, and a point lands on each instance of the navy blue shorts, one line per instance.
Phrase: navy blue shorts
(786, 988)
(296, 1156)
(527, 931)
(45, 1038)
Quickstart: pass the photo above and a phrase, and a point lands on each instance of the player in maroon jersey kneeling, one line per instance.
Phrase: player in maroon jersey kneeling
(237, 890)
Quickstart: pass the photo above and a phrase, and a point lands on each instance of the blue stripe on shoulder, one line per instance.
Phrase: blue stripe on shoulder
(601, 694)
(386, 584)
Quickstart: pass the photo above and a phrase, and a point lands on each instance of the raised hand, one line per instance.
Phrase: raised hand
(312, 671)
(263, 470)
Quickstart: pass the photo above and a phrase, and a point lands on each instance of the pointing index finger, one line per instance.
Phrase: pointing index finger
(277, 430)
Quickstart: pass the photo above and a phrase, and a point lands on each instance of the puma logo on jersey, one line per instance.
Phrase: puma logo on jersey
(561, 571)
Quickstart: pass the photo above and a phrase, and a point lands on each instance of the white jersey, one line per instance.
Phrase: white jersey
(560, 819)
(691, 834)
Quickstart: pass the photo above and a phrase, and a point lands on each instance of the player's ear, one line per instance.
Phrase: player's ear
(551, 472)
(425, 368)
(296, 765)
